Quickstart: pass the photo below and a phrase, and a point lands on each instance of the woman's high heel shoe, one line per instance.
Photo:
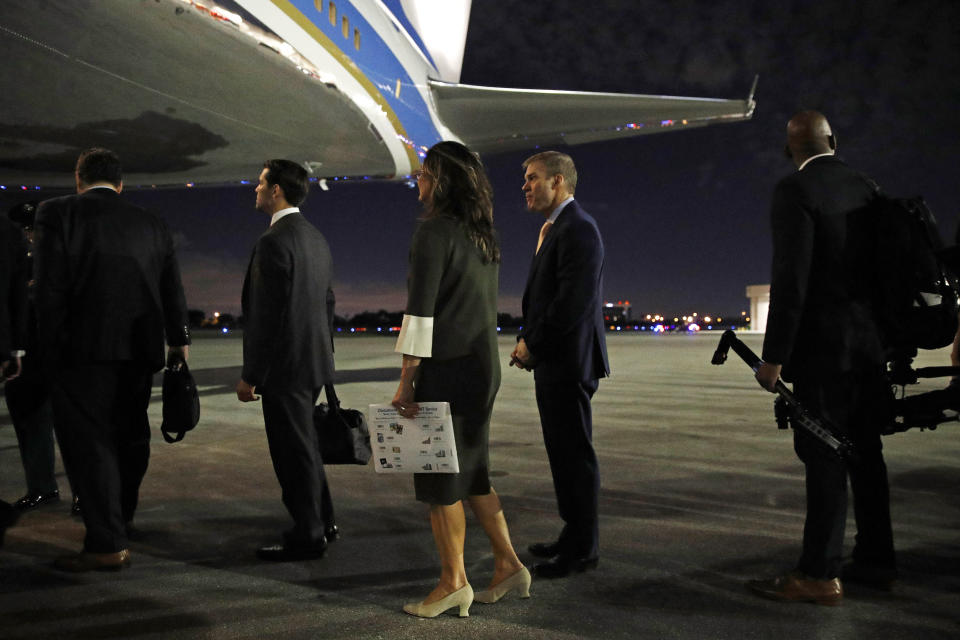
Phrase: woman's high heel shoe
(462, 597)
(520, 580)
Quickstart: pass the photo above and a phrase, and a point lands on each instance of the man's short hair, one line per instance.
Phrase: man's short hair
(99, 165)
(556, 163)
(291, 177)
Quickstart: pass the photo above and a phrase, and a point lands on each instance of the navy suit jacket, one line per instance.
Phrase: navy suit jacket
(108, 283)
(288, 308)
(562, 304)
(820, 321)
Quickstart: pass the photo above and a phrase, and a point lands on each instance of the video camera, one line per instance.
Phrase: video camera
(924, 411)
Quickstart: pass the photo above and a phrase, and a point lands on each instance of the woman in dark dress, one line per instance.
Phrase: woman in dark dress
(449, 346)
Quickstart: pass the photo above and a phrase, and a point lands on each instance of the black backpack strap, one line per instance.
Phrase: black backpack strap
(166, 436)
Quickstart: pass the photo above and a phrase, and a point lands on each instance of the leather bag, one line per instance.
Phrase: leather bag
(181, 402)
(343, 433)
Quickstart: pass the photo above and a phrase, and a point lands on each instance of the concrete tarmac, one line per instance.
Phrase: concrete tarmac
(700, 493)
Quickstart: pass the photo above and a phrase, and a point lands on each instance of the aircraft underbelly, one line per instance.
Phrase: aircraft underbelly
(182, 96)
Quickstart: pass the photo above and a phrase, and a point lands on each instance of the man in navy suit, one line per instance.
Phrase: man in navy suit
(821, 334)
(13, 316)
(288, 354)
(108, 296)
(563, 343)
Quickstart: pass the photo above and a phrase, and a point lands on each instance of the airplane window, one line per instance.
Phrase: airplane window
(356, 39)
(319, 5)
(346, 27)
(333, 14)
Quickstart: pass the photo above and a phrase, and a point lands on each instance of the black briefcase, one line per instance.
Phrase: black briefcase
(181, 402)
(343, 433)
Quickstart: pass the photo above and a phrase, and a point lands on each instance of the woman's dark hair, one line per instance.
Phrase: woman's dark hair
(462, 190)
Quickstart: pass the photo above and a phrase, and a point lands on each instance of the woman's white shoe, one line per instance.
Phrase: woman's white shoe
(520, 580)
(462, 597)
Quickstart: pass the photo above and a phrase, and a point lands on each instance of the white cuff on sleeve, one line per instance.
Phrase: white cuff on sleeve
(416, 337)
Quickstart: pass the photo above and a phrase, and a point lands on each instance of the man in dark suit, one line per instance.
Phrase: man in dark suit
(13, 316)
(821, 335)
(28, 398)
(108, 293)
(563, 343)
(14, 273)
(288, 354)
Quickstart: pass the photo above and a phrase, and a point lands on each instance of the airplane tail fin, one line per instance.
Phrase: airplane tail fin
(441, 26)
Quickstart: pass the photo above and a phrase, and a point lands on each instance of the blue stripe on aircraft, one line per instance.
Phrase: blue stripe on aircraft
(379, 64)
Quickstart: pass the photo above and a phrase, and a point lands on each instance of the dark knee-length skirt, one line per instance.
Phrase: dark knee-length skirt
(470, 385)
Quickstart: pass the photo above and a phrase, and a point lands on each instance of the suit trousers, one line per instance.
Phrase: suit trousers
(854, 403)
(100, 415)
(28, 400)
(295, 451)
(567, 424)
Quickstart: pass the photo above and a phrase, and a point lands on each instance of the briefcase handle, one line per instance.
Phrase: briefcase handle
(332, 400)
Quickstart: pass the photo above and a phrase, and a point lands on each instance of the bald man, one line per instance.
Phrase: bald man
(822, 337)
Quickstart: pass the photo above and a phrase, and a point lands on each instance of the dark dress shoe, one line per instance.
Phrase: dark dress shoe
(85, 561)
(8, 516)
(134, 533)
(796, 587)
(286, 553)
(877, 577)
(544, 549)
(75, 507)
(562, 566)
(28, 501)
(332, 533)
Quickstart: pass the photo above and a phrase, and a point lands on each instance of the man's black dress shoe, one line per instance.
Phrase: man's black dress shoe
(134, 533)
(8, 516)
(332, 533)
(28, 501)
(544, 549)
(562, 566)
(286, 553)
(869, 575)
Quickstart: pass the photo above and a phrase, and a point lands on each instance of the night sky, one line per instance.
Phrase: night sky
(684, 215)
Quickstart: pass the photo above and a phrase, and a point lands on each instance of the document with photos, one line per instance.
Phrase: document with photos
(424, 444)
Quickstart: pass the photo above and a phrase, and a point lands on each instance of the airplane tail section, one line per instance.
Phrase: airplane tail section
(440, 28)
(490, 119)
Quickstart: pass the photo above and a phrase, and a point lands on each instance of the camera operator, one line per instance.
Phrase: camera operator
(823, 336)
